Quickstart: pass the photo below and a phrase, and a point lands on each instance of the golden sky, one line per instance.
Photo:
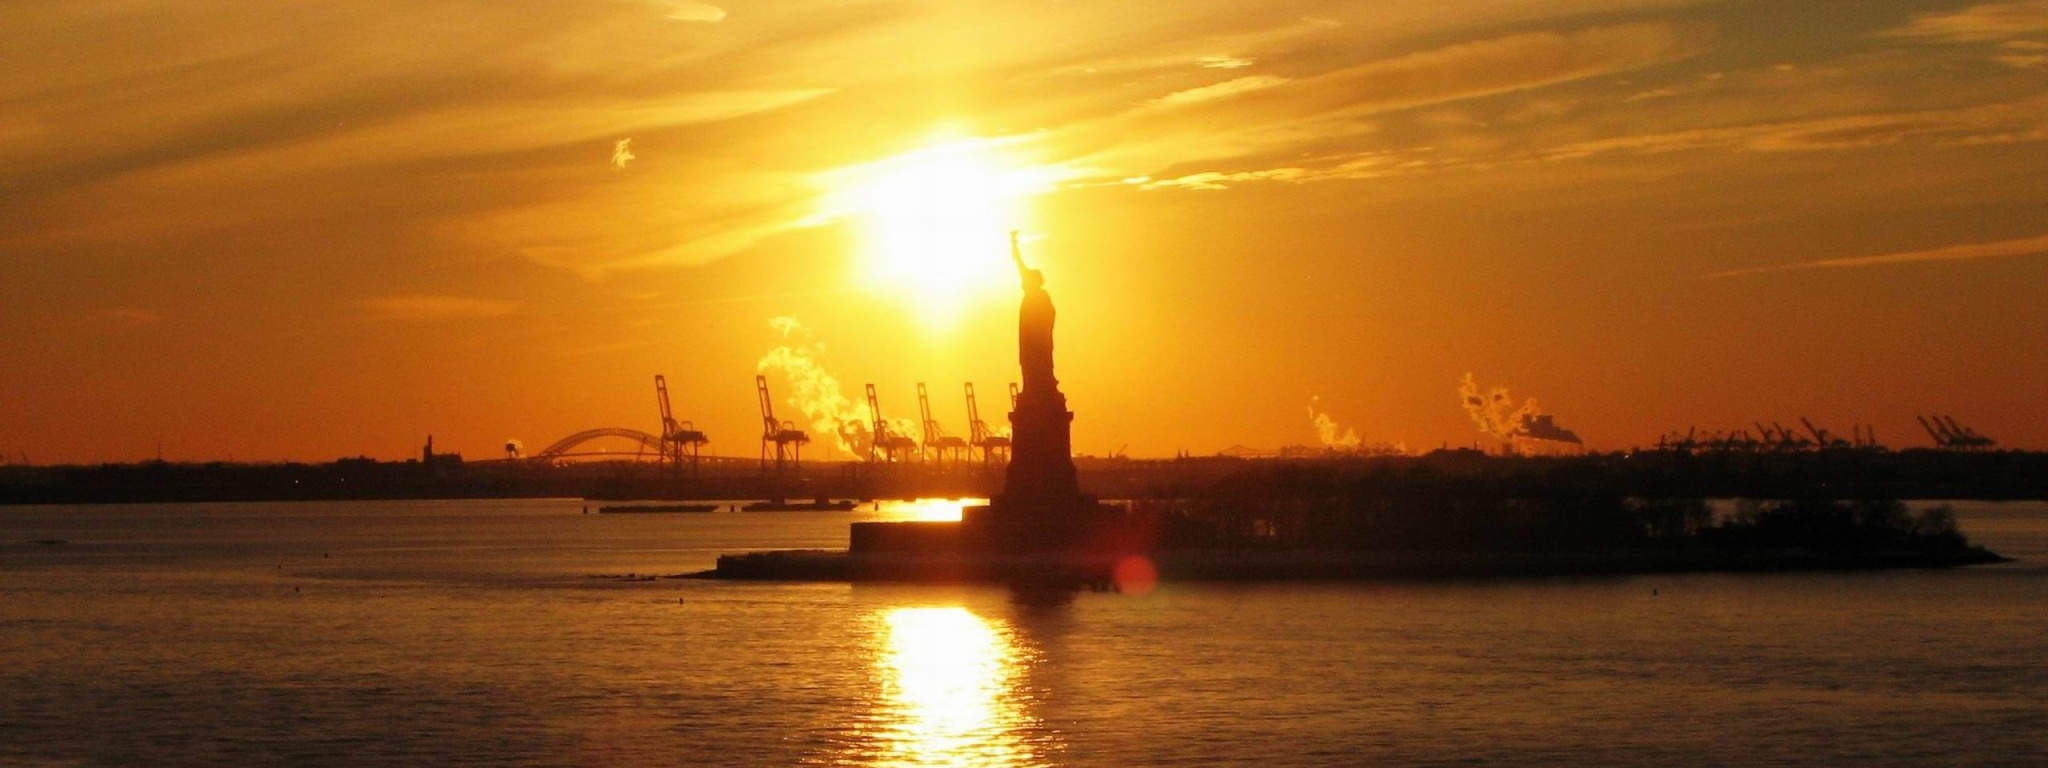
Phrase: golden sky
(263, 230)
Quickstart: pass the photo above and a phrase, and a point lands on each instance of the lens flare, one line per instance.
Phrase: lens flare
(1136, 574)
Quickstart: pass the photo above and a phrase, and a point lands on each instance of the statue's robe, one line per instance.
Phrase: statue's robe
(1034, 342)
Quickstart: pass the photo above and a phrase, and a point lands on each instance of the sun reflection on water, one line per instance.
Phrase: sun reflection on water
(929, 509)
(949, 689)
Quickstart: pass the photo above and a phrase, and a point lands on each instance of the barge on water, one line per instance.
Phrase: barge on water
(779, 505)
(655, 509)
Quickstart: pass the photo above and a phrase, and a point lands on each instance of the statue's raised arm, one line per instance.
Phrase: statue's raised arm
(1017, 255)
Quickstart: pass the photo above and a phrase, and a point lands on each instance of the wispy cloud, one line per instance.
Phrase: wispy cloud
(1276, 37)
(622, 153)
(690, 10)
(1362, 166)
(2023, 54)
(1225, 62)
(421, 308)
(1980, 23)
(1218, 125)
(2001, 123)
(1969, 252)
(1478, 68)
(1221, 90)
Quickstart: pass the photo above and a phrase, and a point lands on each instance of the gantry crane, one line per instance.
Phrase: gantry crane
(995, 448)
(884, 444)
(1822, 438)
(1769, 440)
(1679, 443)
(1950, 435)
(1789, 442)
(1968, 438)
(787, 441)
(938, 446)
(680, 441)
(1941, 438)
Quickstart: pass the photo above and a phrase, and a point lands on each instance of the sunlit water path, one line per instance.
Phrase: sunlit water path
(499, 632)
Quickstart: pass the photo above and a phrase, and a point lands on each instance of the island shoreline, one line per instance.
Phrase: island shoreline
(1216, 566)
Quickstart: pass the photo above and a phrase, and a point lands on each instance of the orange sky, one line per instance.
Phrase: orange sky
(264, 230)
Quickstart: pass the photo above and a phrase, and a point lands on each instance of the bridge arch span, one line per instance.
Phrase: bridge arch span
(565, 445)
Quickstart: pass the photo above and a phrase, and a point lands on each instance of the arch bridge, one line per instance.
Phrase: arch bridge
(566, 447)
(649, 445)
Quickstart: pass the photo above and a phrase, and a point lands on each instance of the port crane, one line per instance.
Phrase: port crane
(1768, 438)
(1823, 439)
(938, 446)
(1789, 442)
(680, 441)
(1949, 435)
(884, 444)
(995, 449)
(1681, 443)
(1777, 438)
(780, 438)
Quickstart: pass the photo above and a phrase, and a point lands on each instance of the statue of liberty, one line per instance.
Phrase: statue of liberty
(1034, 329)
(1041, 463)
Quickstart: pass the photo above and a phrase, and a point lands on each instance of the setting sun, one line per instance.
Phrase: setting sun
(933, 221)
(1019, 384)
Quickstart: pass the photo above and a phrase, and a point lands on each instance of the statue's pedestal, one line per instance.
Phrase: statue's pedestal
(1013, 526)
(1041, 446)
(1041, 508)
(1020, 524)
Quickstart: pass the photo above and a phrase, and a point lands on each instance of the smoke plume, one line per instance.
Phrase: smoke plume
(809, 388)
(1328, 432)
(1497, 414)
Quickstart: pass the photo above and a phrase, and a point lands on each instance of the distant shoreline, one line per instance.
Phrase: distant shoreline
(1908, 474)
(1309, 566)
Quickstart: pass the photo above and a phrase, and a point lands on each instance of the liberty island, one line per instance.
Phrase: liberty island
(1041, 523)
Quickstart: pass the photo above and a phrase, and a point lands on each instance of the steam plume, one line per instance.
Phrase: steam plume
(1497, 414)
(809, 388)
(1328, 432)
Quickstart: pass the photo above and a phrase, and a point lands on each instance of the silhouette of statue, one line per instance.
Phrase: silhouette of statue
(1041, 508)
(1034, 327)
(1041, 462)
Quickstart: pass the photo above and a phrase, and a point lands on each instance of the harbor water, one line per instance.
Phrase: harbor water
(527, 632)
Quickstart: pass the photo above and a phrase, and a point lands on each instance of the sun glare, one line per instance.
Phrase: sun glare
(932, 509)
(949, 684)
(934, 221)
